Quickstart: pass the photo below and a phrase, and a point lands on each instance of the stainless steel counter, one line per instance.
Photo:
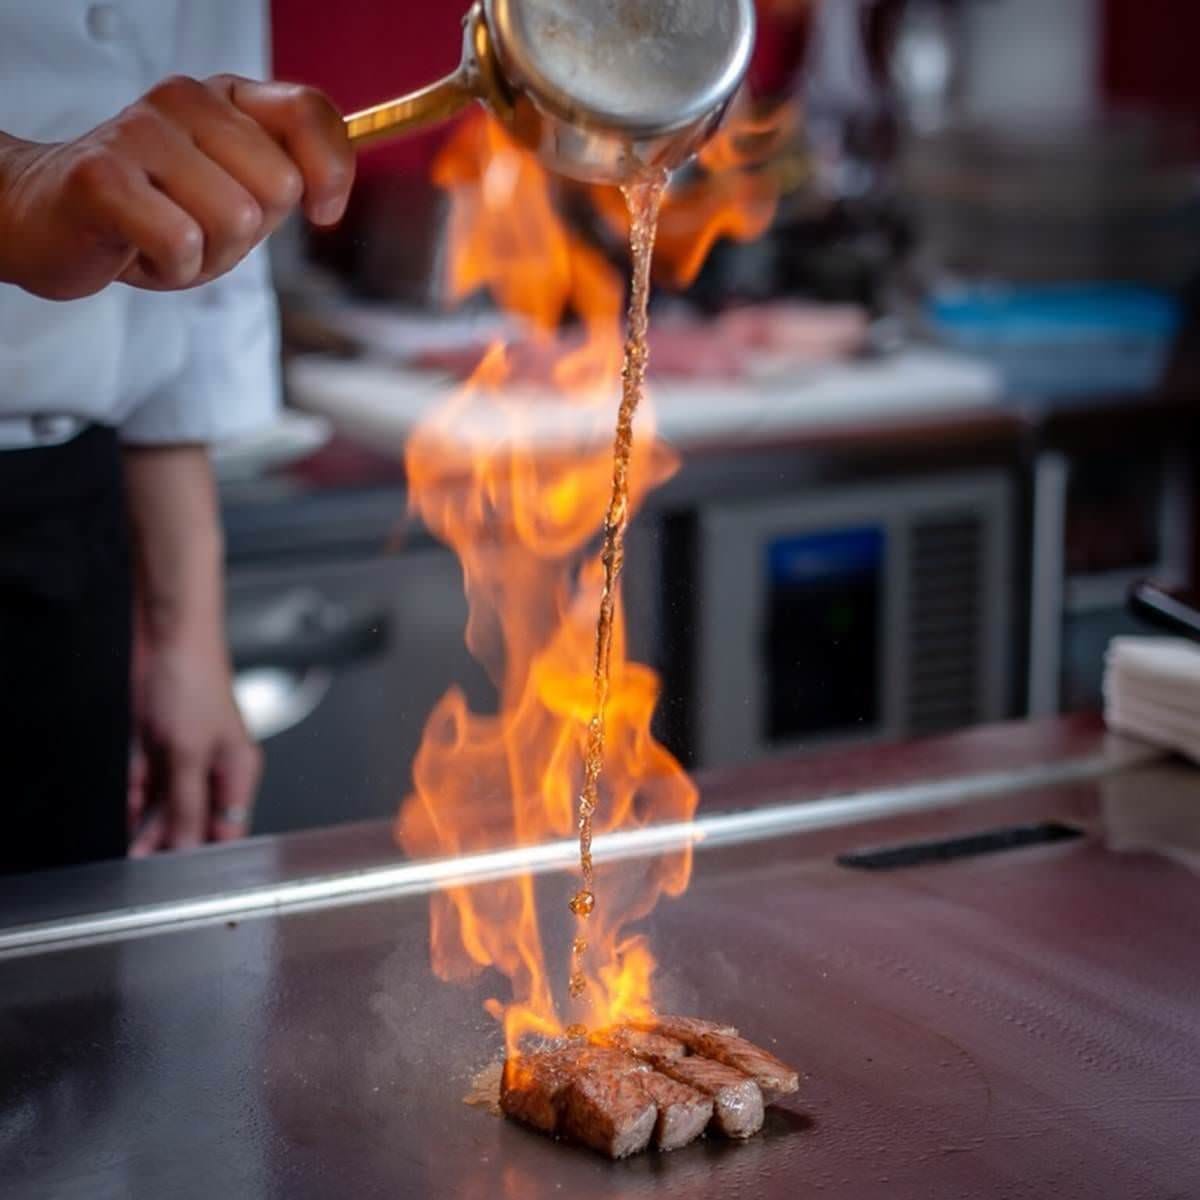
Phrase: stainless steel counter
(1021, 1023)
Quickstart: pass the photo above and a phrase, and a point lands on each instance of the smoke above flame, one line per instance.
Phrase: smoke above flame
(513, 472)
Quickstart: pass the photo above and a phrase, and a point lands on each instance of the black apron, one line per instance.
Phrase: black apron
(65, 644)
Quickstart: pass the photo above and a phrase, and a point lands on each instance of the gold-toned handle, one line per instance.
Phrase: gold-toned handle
(407, 114)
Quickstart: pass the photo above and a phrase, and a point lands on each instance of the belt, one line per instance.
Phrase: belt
(42, 429)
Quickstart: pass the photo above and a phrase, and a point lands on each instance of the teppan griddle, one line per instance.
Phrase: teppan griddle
(983, 1010)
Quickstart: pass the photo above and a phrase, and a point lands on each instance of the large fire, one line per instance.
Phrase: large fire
(514, 474)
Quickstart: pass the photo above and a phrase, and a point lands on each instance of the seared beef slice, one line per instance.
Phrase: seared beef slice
(683, 1112)
(634, 1084)
(531, 1087)
(688, 1030)
(737, 1102)
(609, 1111)
(641, 1044)
(775, 1079)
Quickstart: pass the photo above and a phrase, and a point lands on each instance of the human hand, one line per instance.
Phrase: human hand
(173, 191)
(195, 770)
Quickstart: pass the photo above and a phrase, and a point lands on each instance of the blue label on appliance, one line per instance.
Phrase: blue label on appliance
(806, 558)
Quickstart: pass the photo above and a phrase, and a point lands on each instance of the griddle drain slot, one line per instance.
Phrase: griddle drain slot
(994, 841)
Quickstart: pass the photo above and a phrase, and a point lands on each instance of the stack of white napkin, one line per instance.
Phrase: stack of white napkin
(1152, 691)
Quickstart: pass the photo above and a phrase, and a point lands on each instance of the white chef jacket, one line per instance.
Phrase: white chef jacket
(193, 366)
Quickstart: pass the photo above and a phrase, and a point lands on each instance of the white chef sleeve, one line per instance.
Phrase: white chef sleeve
(229, 381)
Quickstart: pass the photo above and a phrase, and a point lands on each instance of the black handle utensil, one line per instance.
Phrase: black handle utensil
(1156, 607)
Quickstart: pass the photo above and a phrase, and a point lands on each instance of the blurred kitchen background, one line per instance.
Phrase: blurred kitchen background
(954, 416)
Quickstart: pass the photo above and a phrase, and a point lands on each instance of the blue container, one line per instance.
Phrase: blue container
(1063, 340)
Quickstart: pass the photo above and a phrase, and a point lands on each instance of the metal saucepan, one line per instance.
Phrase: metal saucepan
(601, 90)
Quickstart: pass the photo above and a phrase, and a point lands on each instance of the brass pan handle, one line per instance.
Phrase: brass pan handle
(477, 78)
(408, 114)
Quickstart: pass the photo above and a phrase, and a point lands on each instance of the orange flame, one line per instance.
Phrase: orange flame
(734, 193)
(514, 475)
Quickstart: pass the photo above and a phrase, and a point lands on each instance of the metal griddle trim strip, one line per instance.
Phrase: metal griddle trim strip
(415, 878)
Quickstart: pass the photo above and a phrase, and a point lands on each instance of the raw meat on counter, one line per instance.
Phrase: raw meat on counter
(739, 344)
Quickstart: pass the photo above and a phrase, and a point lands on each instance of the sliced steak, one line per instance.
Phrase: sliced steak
(610, 1111)
(531, 1086)
(666, 1079)
(683, 1112)
(688, 1030)
(641, 1043)
(722, 1043)
(589, 1057)
(737, 1102)
(774, 1078)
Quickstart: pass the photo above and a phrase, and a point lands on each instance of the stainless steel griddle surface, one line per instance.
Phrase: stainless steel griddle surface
(1022, 1024)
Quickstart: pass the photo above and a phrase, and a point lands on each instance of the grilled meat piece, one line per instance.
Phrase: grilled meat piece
(640, 1043)
(664, 1079)
(775, 1079)
(610, 1111)
(683, 1112)
(688, 1030)
(531, 1086)
(722, 1044)
(599, 1095)
(737, 1102)
(590, 1057)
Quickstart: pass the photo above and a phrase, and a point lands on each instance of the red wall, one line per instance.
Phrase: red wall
(1151, 56)
(365, 51)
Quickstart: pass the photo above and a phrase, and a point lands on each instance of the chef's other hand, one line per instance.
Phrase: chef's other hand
(172, 192)
(195, 770)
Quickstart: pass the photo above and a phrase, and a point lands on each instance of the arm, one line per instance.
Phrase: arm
(172, 192)
(198, 769)
(195, 770)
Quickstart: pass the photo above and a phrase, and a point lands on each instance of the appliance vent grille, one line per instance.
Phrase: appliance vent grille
(945, 622)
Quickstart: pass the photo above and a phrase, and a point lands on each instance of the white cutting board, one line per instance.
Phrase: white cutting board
(380, 403)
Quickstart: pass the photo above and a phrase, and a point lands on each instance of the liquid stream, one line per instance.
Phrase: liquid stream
(644, 199)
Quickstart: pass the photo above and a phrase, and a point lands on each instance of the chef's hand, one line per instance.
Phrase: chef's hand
(195, 769)
(173, 191)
